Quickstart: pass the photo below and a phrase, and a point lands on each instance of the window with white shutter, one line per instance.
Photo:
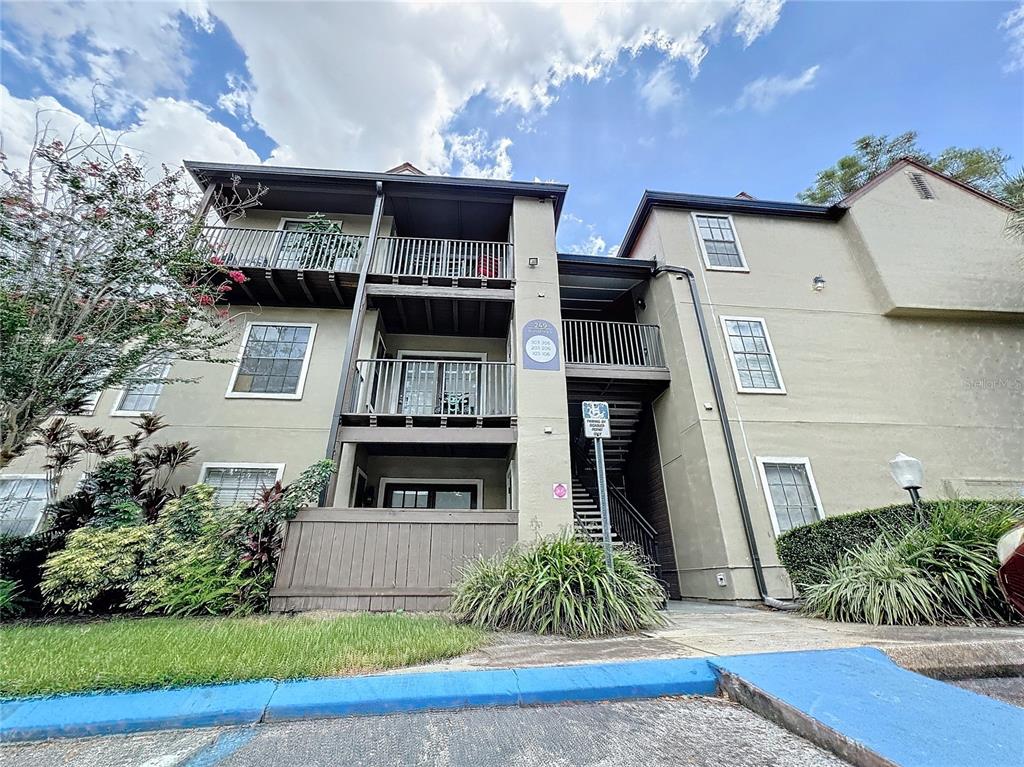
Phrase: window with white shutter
(240, 483)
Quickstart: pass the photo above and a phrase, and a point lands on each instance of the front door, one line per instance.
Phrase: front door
(429, 496)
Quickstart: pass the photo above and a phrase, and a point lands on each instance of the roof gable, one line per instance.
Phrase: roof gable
(906, 162)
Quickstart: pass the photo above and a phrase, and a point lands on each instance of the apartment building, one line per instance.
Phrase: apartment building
(762, 361)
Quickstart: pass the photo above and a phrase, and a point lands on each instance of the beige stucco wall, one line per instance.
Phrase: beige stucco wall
(263, 218)
(250, 430)
(493, 348)
(860, 387)
(542, 452)
(947, 254)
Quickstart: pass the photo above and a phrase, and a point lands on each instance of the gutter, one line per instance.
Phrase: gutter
(730, 444)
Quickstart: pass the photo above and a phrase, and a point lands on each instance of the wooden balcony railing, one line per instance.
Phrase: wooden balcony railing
(416, 387)
(280, 249)
(455, 259)
(626, 344)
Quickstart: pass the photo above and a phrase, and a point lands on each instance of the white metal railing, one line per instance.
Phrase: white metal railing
(282, 249)
(433, 387)
(426, 257)
(628, 344)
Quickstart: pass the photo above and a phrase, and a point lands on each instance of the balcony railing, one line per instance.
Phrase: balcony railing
(418, 387)
(336, 252)
(280, 249)
(626, 344)
(455, 259)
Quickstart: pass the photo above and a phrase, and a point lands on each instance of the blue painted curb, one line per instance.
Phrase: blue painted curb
(506, 687)
(902, 717)
(76, 716)
(252, 702)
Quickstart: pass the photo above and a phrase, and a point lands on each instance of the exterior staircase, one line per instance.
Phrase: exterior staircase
(587, 514)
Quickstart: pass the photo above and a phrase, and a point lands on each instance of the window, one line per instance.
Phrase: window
(139, 398)
(238, 482)
(718, 243)
(274, 360)
(22, 500)
(428, 494)
(790, 491)
(752, 356)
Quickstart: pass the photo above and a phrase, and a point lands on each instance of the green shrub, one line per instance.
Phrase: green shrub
(11, 600)
(21, 561)
(96, 569)
(811, 551)
(560, 586)
(941, 573)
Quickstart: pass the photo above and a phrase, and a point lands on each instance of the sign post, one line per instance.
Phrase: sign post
(596, 425)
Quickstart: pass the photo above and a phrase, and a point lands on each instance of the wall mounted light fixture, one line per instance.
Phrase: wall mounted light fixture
(818, 283)
(533, 262)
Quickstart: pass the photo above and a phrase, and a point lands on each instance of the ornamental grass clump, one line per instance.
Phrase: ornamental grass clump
(943, 572)
(562, 586)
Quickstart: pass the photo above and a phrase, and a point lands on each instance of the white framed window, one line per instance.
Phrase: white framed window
(419, 493)
(22, 500)
(718, 242)
(790, 492)
(754, 365)
(239, 482)
(273, 360)
(140, 398)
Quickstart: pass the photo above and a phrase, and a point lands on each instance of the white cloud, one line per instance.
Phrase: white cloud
(166, 131)
(369, 85)
(755, 18)
(471, 155)
(134, 51)
(661, 90)
(1013, 23)
(235, 100)
(592, 244)
(765, 92)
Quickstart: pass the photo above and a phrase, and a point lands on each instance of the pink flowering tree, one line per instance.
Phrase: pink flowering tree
(103, 274)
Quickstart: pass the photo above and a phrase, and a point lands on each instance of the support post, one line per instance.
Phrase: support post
(602, 499)
(355, 334)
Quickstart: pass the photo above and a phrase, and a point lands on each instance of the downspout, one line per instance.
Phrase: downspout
(730, 445)
(355, 333)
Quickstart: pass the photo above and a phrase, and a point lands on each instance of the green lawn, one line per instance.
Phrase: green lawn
(132, 653)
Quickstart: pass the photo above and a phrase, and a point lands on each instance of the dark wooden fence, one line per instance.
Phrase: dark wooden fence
(383, 559)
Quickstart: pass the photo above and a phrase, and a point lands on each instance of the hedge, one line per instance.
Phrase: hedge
(805, 551)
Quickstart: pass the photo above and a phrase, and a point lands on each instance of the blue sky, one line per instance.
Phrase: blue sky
(711, 98)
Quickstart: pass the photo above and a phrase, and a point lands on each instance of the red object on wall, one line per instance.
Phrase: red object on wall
(1011, 569)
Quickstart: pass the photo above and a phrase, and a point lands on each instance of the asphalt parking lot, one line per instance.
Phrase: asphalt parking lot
(695, 732)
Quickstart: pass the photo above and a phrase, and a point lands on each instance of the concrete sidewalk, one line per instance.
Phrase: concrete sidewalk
(699, 629)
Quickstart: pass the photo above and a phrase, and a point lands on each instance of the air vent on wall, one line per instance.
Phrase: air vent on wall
(920, 185)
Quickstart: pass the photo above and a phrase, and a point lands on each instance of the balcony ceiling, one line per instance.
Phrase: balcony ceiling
(594, 283)
(422, 206)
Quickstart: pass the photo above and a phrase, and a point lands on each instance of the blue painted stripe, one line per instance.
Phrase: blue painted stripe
(904, 717)
(107, 713)
(507, 687)
(223, 747)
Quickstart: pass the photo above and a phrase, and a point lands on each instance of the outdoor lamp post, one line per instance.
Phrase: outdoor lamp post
(909, 474)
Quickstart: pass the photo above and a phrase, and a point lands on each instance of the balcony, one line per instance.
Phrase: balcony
(430, 397)
(627, 353)
(322, 268)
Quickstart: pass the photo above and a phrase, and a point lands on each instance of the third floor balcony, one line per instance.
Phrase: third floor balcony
(322, 267)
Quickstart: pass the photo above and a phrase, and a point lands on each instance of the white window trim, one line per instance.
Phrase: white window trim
(117, 412)
(802, 461)
(385, 481)
(732, 355)
(39, 521)
(278, 467)
(231, 394)
(286, 219)
(703, 251)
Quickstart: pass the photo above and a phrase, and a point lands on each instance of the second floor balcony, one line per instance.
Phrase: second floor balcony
(614, 351)
(287, 265)
(445, 393)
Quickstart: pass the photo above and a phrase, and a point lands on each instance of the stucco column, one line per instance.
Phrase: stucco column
(542, 454)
